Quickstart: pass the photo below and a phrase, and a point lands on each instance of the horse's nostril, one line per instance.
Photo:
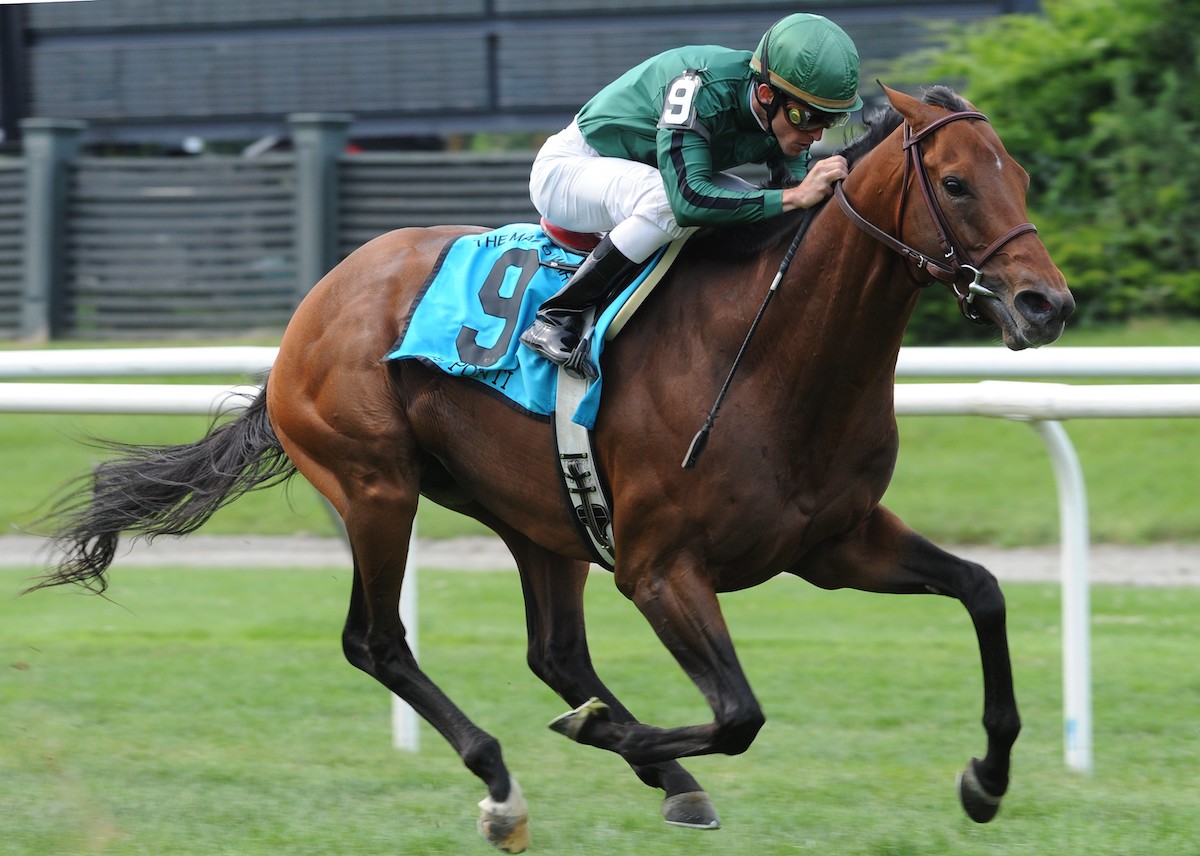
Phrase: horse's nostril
(1035, 306)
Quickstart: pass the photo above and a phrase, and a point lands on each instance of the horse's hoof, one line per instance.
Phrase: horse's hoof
(978, 803)
(693, 810)
(572, 722)
(506, 825)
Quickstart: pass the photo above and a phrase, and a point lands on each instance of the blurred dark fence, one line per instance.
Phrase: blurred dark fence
(214, 245)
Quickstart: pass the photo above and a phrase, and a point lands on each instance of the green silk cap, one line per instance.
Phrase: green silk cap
(812, 59)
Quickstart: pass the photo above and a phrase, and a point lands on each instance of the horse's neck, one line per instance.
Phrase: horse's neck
(846, 304)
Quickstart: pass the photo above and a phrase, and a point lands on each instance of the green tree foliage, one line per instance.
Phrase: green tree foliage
(1100, 101)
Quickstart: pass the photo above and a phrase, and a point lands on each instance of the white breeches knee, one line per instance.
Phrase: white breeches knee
(574, 186)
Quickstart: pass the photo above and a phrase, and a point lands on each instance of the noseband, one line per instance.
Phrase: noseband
(953, 270)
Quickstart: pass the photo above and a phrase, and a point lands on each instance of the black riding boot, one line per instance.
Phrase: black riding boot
(558, 328)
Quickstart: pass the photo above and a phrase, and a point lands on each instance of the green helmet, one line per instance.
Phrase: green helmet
(810, 58)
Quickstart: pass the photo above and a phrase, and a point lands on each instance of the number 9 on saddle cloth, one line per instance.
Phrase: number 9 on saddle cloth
(485, 290)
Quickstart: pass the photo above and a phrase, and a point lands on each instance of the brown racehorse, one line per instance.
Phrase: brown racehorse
(790, 481)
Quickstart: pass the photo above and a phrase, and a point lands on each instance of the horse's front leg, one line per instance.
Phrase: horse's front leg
(682, 607)
(884, 555)
(558, 654)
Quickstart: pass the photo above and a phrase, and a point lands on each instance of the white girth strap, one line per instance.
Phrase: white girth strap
(577, 461)
(576, 457)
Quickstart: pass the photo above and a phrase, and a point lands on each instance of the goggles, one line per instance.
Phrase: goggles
(805, 117)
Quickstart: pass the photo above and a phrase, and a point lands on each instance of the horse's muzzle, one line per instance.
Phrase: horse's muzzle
(1035, 316)
(1030, 316)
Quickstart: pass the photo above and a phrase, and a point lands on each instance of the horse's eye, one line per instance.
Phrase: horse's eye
(954, 186)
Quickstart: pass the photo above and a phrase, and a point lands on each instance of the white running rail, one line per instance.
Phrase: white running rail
(1043, 405)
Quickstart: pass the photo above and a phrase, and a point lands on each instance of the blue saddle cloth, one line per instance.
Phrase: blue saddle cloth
(480, 297)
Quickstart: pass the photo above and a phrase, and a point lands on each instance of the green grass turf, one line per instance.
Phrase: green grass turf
(210, 712)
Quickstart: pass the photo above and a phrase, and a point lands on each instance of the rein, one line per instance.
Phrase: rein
(951, 270)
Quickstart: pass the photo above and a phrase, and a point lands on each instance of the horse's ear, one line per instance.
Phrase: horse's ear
(917, 113)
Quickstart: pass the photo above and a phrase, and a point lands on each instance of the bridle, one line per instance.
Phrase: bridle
(952, 269)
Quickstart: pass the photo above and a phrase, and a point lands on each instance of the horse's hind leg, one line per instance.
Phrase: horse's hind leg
(558, 654)
(376, 495)
(886, 556)
(374, 640)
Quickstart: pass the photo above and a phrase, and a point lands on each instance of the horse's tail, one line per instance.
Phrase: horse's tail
(161, 490)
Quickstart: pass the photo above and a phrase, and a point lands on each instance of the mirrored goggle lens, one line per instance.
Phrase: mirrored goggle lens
(807, 118)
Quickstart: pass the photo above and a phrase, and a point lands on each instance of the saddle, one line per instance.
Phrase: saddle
(583, 243)
(574, 242)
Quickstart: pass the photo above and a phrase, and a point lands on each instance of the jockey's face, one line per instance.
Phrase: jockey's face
(793, 140)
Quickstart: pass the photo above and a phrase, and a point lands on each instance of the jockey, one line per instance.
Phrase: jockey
(643, 160)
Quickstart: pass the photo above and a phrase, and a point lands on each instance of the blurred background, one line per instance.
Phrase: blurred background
(183, 171)
(200, 165)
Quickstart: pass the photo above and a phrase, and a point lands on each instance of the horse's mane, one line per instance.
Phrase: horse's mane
(751, 238)
(882, 122)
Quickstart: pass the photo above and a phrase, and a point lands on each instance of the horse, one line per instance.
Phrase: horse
(791, 479)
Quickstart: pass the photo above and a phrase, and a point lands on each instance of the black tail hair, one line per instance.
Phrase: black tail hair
(160, 490)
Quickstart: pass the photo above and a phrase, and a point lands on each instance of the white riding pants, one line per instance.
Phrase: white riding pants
(574, 186)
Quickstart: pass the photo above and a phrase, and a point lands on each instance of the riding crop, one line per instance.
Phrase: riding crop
(701, 438)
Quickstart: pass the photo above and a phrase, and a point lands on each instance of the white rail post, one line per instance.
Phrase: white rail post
(405, 722)
(1076, 608)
